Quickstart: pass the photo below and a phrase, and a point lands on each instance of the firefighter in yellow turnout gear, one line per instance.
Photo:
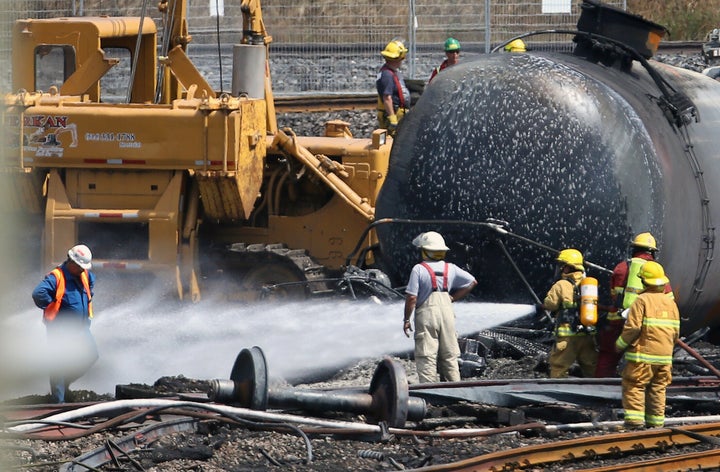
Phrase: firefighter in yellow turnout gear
(573, 341)
(648, 338)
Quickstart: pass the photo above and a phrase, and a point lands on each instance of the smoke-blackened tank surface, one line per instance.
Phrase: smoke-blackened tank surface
(570, 153)
(694, 204)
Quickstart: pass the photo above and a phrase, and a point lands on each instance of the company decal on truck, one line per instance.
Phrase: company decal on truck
(49, 135)
(124, 140)
(44, 134)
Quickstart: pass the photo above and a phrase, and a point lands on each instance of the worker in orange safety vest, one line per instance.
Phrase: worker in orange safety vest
(65, 296)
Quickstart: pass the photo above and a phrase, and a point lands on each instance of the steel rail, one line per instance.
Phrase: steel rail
(325, 103)
(697, 461)
(569, 451)
(680, 47)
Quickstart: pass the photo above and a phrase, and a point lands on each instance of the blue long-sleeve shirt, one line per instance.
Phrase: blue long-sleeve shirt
(75, 301)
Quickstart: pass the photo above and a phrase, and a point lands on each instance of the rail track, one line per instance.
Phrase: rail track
(629, 448)
(685, 447)
(325, 103)
(687, 48)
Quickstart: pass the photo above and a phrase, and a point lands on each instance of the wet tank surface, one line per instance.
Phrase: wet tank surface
(570, 153)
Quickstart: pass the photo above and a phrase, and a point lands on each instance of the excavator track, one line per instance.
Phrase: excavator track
(279, 270)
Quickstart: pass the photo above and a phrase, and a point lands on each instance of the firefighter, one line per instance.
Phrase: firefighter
(517, 45)
(573, 341)
(433, 285)
(648, 339)
(452, 57)
(393, 94)
(625, 285)
(65, 296)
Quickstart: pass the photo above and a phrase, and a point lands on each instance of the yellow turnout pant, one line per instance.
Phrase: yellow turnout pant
(567, 350)
(643, 393)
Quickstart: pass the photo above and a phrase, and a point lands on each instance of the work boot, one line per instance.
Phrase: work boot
(651, 426)
(633, 426)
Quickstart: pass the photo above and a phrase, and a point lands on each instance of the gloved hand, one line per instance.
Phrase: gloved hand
(541, 312)
(393, 123)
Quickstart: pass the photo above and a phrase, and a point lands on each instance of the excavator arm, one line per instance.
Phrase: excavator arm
(176, 12)
(253, 26)
(254, 32)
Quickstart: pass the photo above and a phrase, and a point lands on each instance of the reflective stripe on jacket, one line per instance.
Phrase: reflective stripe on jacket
(626, 285)
(634, 285)
(51, 311)
(652, 327)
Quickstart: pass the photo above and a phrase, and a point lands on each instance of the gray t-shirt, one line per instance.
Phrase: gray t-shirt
(420, 283)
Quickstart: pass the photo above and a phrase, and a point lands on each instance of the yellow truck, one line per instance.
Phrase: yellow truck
(196, 189)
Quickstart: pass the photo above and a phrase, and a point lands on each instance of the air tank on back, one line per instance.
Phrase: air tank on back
(576, 150)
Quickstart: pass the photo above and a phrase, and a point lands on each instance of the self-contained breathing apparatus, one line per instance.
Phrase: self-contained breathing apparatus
(582, 315)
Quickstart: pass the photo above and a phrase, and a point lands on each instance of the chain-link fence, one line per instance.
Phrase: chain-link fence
(331, 46)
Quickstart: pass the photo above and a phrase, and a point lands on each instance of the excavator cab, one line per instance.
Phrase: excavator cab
(77, 56)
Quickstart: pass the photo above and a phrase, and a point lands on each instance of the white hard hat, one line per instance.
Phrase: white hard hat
(430, 241)
(81, 256)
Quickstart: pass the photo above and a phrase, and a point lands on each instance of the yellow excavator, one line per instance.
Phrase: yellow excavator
(172, 180)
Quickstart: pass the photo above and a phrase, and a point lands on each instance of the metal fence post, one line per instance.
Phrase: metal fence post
(412, 27)
(488, 26)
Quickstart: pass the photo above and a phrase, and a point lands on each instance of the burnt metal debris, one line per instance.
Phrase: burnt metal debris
(386, 401)
(685, 391)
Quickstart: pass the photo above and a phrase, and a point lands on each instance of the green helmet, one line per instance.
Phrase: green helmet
(452, 44)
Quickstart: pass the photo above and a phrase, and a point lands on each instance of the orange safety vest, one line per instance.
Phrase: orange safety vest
(51, 311)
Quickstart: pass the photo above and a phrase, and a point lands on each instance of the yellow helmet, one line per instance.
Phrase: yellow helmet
(645, 240)
(517, 45)
(395, 49)
(571, 257)
(653, 273)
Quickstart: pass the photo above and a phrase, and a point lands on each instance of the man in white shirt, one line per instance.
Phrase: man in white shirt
(433, 285)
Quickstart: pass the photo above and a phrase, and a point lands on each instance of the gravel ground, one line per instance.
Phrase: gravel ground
(218, 446)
